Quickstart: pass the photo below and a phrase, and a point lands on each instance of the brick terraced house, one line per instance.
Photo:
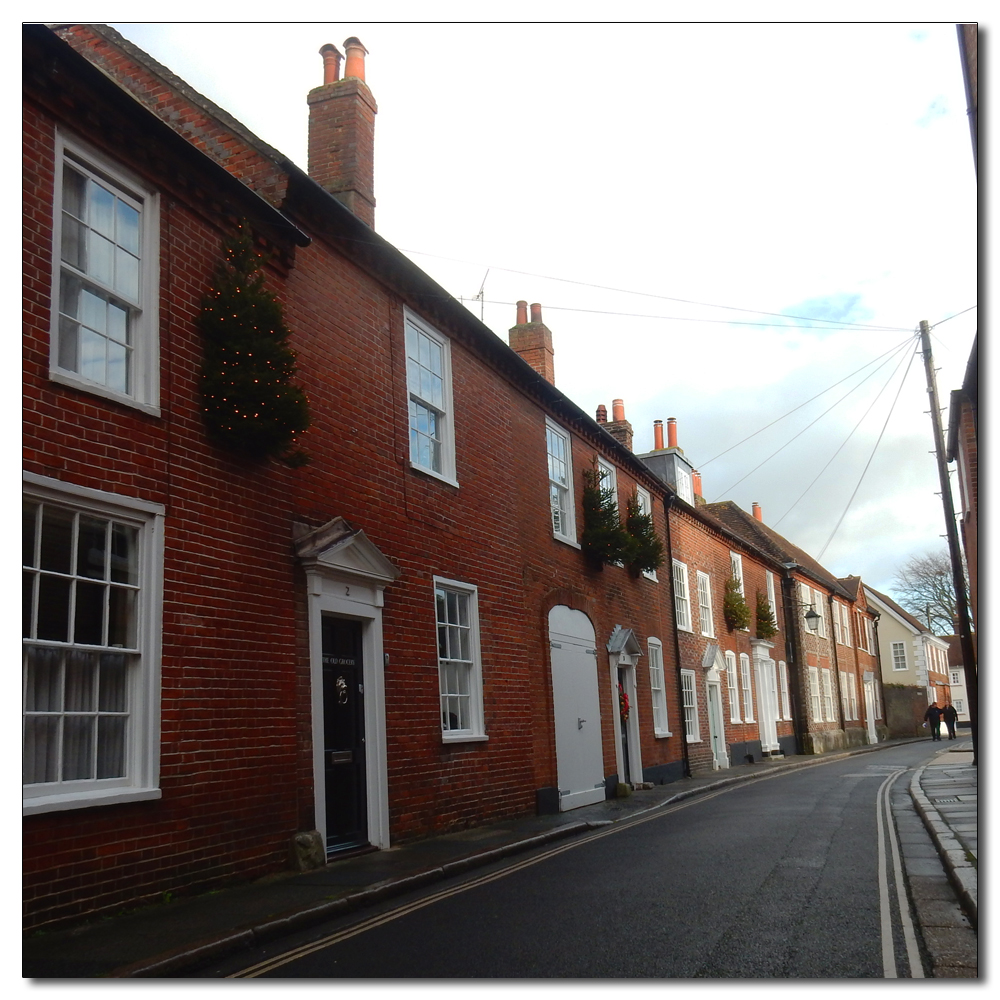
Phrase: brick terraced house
(233, 664)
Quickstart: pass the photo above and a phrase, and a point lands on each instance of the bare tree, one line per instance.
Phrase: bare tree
(924, 586)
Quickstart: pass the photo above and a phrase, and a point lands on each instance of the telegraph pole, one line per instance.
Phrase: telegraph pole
(958, 575)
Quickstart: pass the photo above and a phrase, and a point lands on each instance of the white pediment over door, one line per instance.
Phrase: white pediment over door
(338, 549)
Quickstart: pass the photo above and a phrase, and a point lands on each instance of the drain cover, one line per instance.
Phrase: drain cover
(937, 801)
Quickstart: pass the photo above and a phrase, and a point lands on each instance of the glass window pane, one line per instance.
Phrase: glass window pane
(93, 310)
(124, 554)
(101, 208)
(127, 229)
(121, 618)
(91, 545)
(89, 624)
(112, 687)
(110, 747)
(92, 355)
(41, 749)
(127, 275)
(43, 679)
(117, 366)
(27, 602)
(74, 191)
(69, 344)
(78, 747)
(57, 539)
(28, 521)
(73, 243)
(117, 323)
(80, 690)
(53, 608)
(100, 258)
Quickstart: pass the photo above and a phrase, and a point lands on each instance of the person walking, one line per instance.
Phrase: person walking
(933, 716)
(950, 716)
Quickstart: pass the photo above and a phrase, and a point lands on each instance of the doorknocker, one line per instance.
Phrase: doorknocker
(341, 686)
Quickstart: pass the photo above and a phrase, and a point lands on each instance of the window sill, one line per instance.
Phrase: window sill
(68, 379)
(661, 734)
(567, 541)
(708, 635)
(434, 475)
(63, 801)
(463, 738)
(692, 739)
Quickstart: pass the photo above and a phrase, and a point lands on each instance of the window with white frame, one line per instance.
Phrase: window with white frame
(689, 697)
(428, 382)
(92, 588)
(745, 685)
(705, 617)
(820, 605)
(837, 634)
(899, 656)
(684, 490)
(815, 702)
(733, 687)
(771, 601)
(561, 502)
(645, 502)
(860, 623)
(870, 635)
(786, 707)
(806, 597)
(853, 692)
(736, 565)
(955, 677)
(958, 705)
(105, 333)
(845, 706)
(845, 624)
(826, 675)
(661, 726)
(459, 665)
(682, 603)
(608, 477)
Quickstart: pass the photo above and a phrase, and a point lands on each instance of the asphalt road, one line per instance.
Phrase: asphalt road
(779, 878)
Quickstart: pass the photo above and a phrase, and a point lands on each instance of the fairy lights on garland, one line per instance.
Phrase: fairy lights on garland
(250, 404)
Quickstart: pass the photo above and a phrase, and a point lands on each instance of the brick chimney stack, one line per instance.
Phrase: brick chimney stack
(342, 131)
(533, 341)
(757, 512)
(618, 427)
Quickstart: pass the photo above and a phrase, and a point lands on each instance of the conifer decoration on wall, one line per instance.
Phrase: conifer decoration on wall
(766, 625)
(604, 540)
(250, 404)
(735, 609)
(645, 547)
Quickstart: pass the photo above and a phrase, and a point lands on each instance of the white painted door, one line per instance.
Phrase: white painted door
(716, 730)
(869, 687)
(576, 705)
(767, 703)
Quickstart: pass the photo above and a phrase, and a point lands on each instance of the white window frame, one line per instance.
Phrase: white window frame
(958, 705)
(689, 696)
(821, 611)
(806, 597)
(142, 748)
(954, 677)
(144, 371)
(869, 635)
(733, 687)
(746, 686)
(684, 489)
(845, 623)
(736, 570)
(445, 412)
(771, 600)
(476, 731)
(786, 707)
(844, 699)
(682, 598)
(815, 701)
(646, 507)
(657, 687)
(853, 697)
(607, 476)
(826, 676)
(898, 653)
(706, 618)
(837, 634)
(565, 530)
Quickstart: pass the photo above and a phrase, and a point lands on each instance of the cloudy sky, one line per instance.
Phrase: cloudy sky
(721, 221)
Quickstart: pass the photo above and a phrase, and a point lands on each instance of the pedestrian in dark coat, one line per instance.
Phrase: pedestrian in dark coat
(933, 716)
(950, 716)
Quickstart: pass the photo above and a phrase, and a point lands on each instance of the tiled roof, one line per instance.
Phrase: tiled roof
(905, 615)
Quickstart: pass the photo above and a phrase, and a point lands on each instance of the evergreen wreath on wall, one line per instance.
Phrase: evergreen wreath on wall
(735, 609)
(766, 625)
(645, 548)
(250, 404)
(604, 540)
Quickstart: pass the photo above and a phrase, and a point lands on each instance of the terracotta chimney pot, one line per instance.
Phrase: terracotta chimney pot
(356, 53)
(536, 312)
(696, 482)
(331, 63)
(617, 409)
(671, 432)
(522, 312)
(658, 435)
(757, 513)
(602, 414)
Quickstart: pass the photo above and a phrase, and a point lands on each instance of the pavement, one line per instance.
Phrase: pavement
(939, 852)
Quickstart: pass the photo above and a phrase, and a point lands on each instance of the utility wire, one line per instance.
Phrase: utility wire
(864, 471)
(654, 295)
(801, 432)
(760, 430)
(684, 319)
(954, 316)
(843, 444)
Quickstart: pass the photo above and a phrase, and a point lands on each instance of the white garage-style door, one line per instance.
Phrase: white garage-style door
(577, 708)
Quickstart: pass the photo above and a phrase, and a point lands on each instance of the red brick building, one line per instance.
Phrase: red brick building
(224, 656)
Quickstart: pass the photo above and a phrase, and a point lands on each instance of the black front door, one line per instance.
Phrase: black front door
(344, 735)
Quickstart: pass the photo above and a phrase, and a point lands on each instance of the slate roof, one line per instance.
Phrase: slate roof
(905, 615)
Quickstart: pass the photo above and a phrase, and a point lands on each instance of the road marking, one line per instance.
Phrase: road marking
(885, 915)
(912, 951)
